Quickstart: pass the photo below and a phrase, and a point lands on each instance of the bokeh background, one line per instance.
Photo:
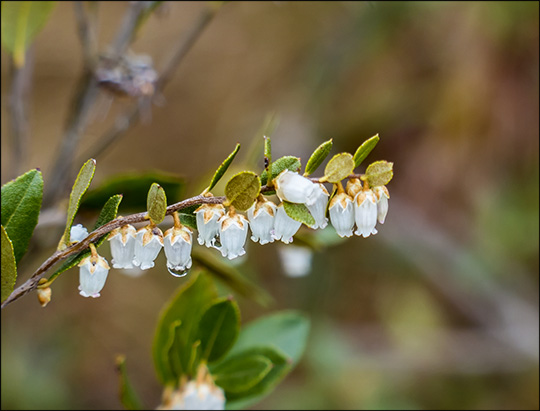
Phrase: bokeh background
(438, 310)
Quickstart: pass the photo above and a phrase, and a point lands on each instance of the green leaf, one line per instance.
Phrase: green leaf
(223, 168)
(379, 173)
(241, 372)
(86, 174)
(173, 349)
(287, 330)
(298, 212)
(218, 329)
(188, 217)
(339, 167)
(128, 396)
(365, 149)
(187, 305)
(21, 22)
(281, 365)
(284, 163)
(242, 190)
(9, 267)
(108, 213)
(230, 275)
(267, 152)
(21, 202)
(134, 187)
(318, 157)
(156, 203)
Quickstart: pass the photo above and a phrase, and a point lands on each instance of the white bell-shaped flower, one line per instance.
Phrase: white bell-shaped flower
(318, 208)
(296, 260)
(233, 229)
(365, 213)
(294, 188)
(261, 217)
(284, 226)
(122, 242)
(177, 244)
(78, 233)
(148, 244)
(195, 395)
(341, 212)
(93, 271)
(207, 223)
(382, 194)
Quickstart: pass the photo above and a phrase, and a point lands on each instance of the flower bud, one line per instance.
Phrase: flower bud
(341, 212)
(284, 226)
(294, 188)
(177, 244)
(77, 233)
(365, 213)
(122, 241)
(261, 217)
(93, 271)
(44, 295)
(148, 244)
(318, 208)
(354, 186)
(207, 223)
(382, 194)
(233, 229)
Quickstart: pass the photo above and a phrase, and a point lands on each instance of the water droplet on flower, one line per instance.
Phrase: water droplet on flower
(178, 273)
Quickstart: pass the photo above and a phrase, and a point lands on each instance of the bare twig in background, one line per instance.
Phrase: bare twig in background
(87, 25)
(19, 129)
(82, 103)
(125, 120)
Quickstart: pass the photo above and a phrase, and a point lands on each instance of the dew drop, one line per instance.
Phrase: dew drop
(178, 273)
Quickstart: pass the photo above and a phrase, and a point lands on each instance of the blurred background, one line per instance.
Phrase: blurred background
(438, 310)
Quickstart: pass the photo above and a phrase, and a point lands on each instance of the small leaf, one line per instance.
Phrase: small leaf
(156, 203)
(230, 275)
(267, 152)
(318, 157)
(134, 187)
(187, 305)
(339, 167)
(365, 149)
(21, 202)
(379, 173)
(223, 168)
(241, 372)
(287, 330)
(21, 22)
(298, 212)
(173, 349)
(86, 174)
(281, 365)
(128, 396)
(284, 163)
(108, 213)
(218, 329)
(242, 190)
(9, 267)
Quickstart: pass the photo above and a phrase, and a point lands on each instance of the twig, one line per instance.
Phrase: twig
(87, 32)
(126, 119)
(58, 256)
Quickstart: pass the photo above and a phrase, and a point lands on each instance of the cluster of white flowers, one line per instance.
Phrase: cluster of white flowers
(195, 395)
(227, 230)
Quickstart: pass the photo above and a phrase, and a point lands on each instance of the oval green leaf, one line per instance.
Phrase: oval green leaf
(223, 168)
(242, 190)
(318, 157)
(156, 203)
(218, 329)
(9, 267)
(363, 151)
(21, 22)
(21, 203)
(283, 163)
(82, 182)
(339, 167)
(379, 173)
(241, 372)
(108, 213)
(267, 152)
(187, 305)
(128, 396)
(298, 212)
